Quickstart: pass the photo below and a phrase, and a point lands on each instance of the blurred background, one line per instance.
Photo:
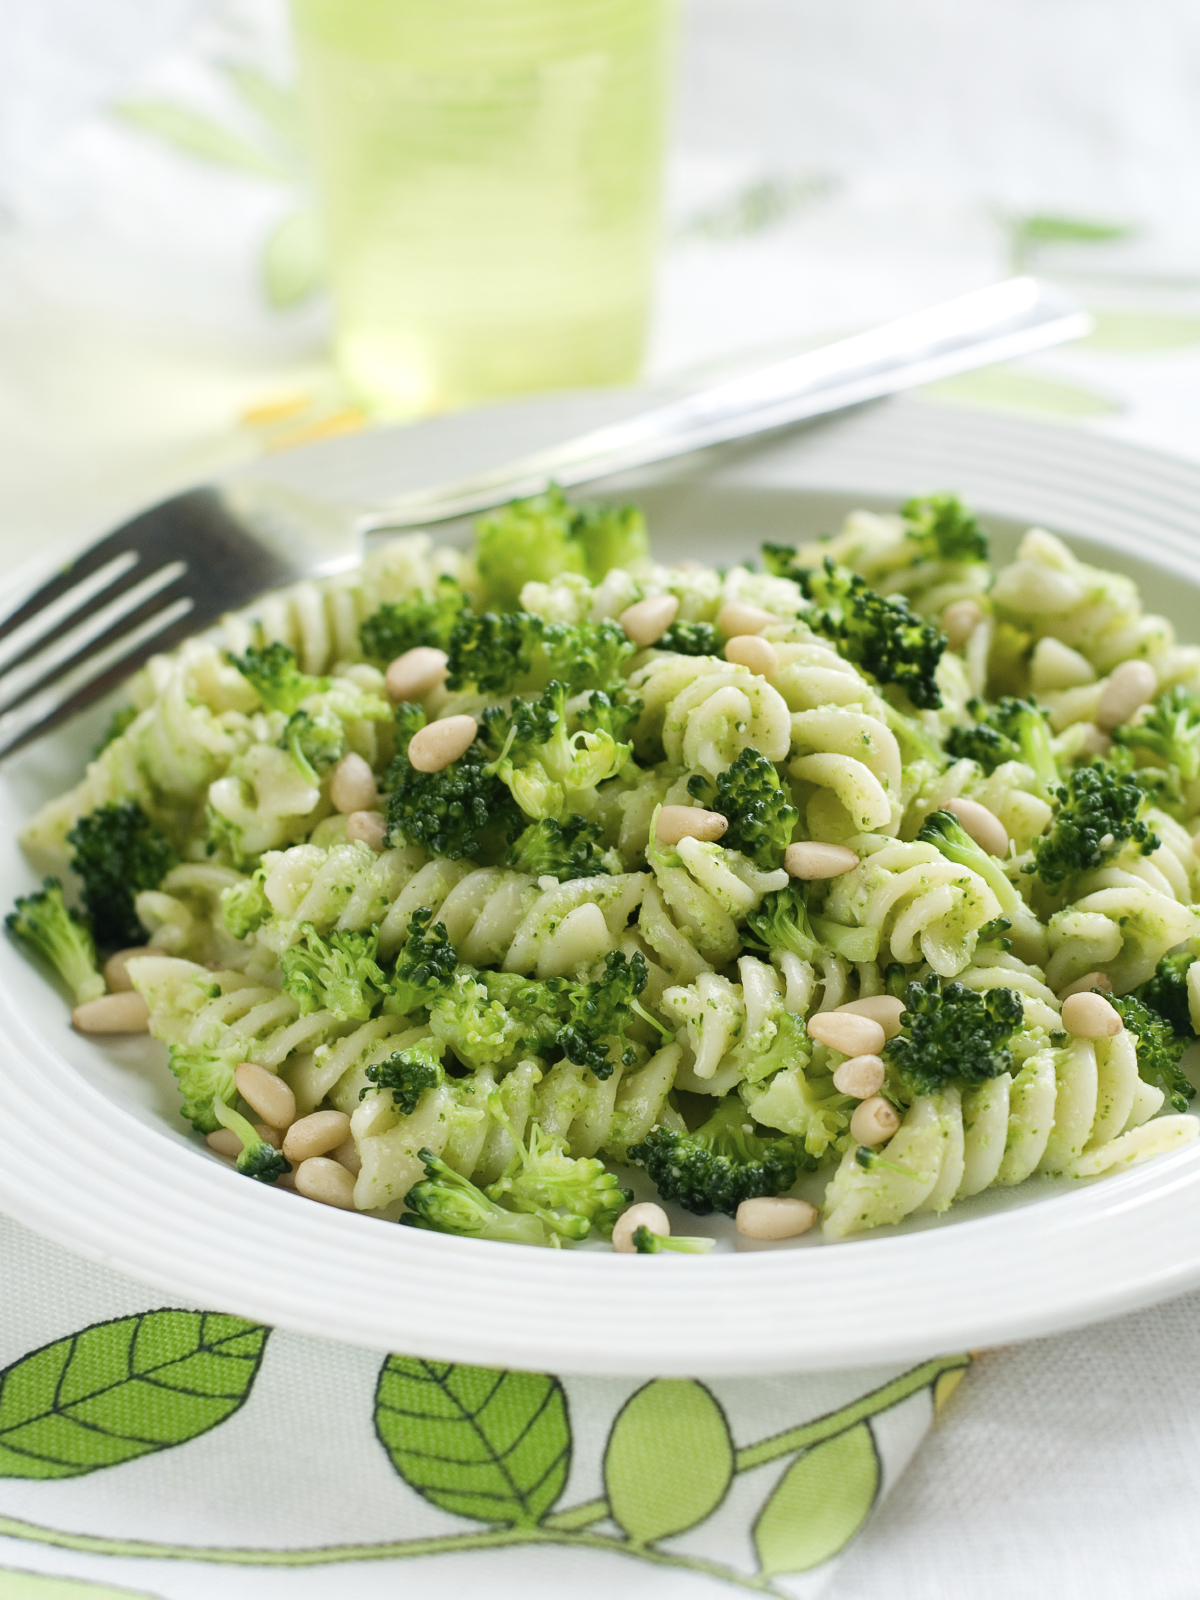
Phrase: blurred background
(163, 308)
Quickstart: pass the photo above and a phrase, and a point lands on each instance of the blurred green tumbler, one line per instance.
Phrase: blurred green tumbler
(490, 176)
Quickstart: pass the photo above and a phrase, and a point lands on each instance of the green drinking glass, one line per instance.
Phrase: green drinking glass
(489, 174)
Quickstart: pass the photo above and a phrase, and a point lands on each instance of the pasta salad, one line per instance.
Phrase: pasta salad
(480, 890)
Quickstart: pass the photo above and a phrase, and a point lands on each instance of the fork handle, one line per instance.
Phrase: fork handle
(1006, 320)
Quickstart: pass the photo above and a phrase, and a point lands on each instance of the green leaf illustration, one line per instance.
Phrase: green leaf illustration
(292, 263)
(491, 1445)
(669, 1459)
(16, 1585)
(123, 1389)
(197, 136)
(821, 1502)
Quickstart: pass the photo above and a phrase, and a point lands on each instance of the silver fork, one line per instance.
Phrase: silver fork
(176, 568)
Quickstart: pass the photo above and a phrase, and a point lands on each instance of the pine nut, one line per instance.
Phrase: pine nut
(1089, 1016)
(774, 1217)
(321, 1179)
(1085, 985)
(352, 787)
(983, 825)
(366, 827)
(646, 621)
(1056, 666)
(224, 1142)
(736, 617)
(116, 970)
(874, 1121)
(748, 650)
(123, 1012)
(884, 1009)
(847, 1033)
(315, 1135)
(265, 1093)
(415, 674)
(689, 822)
(810, 860)
(439, 743)
(959, 621)
(1092, 742)
(273, 1136)
(346, 1155)
(861, 1077)
(1129, 686)
(645, 1215)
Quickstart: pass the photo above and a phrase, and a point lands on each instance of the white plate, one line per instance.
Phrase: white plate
(97, 1157)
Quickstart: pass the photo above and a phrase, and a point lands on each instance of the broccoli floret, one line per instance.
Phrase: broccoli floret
(537, 539)
(691, 639)
(573, 1196)
(446, 1202)
(1158, 1049)
(404, 624)
(338, 974)
(880, 635)
(464, 1016)
(952, 1034)
(259, 1159)
(493, 652)
(205, 1080)
(1011, 730)
(782, 922)
(648, 1243)
(314, 743)
(425, 966)
(540, 762)
(943, 830)
(60, 936)
(944, 529)
(1167, 992)
(779, 560)
(499, 653)
(244, 906)
(117, 852)
(1099, 812)
(599, 1014)
(719, 1165)
(562, 850)
(749, 794)
(463, 810)
(1170, 730)
(407, 1074)
(118, 722)
(276, 678)
(603, 714)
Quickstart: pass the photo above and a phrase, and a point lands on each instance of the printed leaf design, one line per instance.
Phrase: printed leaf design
(491, 1445)
(123, 1389)
(821, 1502)
(278, 106)
(40, 1586)
(199, 137)
(292, 265)
(669, 1459)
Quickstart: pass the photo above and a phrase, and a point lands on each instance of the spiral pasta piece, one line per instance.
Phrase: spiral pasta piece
(1073, 1111)
(1125, 930)
(705, 712)
(853, 758)
(923, 906)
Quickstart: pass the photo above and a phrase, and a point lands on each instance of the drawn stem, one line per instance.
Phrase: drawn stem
(491, 1539)
(801, 1438)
